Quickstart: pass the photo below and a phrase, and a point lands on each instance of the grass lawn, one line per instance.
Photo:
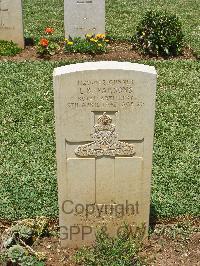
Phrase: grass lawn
(28, 167)
(28, 182)
(121, 17)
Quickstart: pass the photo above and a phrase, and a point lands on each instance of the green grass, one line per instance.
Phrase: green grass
(41, 14)
(121, 17)
(176, 167)
(9, 48)
(28, 181)
(28, 184)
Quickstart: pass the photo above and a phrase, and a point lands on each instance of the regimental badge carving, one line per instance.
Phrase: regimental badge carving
(105, 142)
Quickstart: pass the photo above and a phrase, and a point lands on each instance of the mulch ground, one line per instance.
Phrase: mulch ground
(161, 249)
(158, 251)
(117, 51)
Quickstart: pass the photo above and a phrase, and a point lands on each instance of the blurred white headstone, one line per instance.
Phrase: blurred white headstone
(83, 17)
(11, 22)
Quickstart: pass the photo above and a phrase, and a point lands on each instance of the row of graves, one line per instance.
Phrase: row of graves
(80, 17)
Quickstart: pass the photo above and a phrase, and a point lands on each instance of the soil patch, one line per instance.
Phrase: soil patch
(118, 51)
(171, 243)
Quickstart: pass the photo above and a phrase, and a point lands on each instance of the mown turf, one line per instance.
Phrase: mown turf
(28, 167)
(176, 165)
(121, 17)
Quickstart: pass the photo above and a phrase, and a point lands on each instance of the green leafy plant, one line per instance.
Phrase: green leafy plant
(47, 45)
(15, 253)
(9, 48)
(17, 242)
(29, 38)
(159, 33)
(92, 44)
(122, 250)
(25, 233)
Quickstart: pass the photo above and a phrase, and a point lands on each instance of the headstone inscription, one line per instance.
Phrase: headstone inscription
(11, 22)
(83, 17)
(104, 115)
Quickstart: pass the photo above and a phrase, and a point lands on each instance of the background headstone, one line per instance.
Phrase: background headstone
(11, 22)
(84, 16)
(104, 115)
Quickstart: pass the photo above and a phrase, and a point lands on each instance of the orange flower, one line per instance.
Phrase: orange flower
(49, 30)
(44, 42)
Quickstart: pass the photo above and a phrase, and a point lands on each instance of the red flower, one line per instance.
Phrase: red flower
(49, 30)
(44, 42)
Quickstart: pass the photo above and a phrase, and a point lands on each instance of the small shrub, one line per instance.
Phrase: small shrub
(92, 44)
(122, 250)
(47, 45)
(9, 48)
(159, 33)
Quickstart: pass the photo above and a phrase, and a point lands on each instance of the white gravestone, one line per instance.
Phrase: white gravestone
(104, 115)
(11, 22)
(83, 17)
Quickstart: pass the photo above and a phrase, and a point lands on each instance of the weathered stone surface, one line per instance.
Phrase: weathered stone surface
(11, 23)
(104, 115)
(84, 16)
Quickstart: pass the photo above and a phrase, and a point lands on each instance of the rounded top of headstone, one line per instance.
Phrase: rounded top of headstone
(107, 65)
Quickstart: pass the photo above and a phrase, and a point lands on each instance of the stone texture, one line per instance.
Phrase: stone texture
(84, 16)
(11, 23)
(104, 115)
